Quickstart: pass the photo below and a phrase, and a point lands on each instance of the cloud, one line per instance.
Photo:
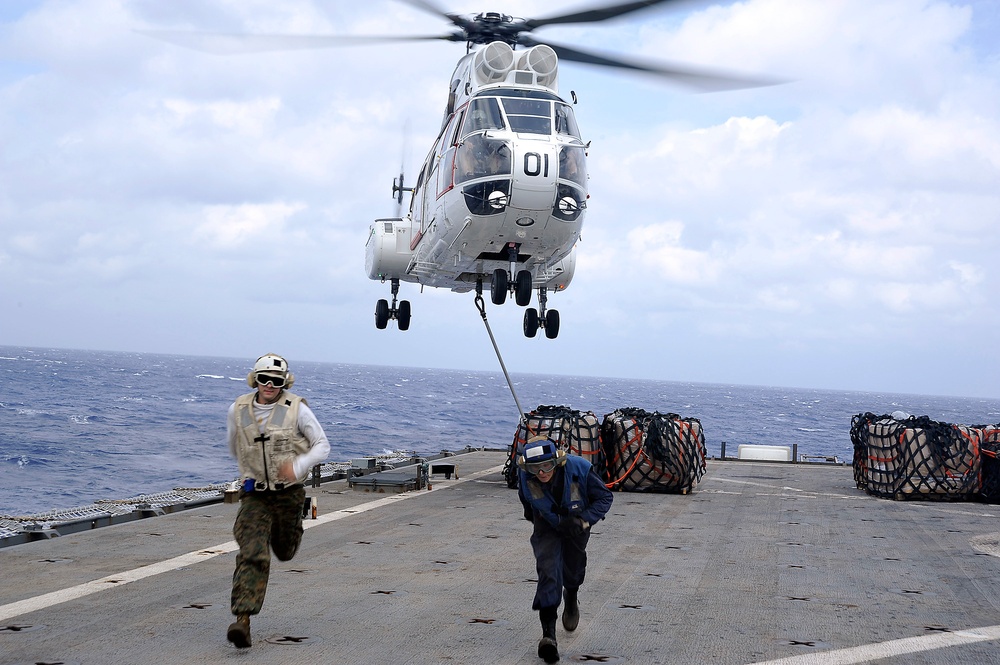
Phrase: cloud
(851, 211)
(247, 119)
(229, 227)
(658, 248)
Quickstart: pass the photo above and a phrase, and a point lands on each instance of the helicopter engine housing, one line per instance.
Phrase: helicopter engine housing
(543, 62)
(492, 63)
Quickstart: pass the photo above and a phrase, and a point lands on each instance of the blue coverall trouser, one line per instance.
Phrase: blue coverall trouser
(561, 562)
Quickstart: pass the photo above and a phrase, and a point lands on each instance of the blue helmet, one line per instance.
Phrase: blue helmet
(540, 453)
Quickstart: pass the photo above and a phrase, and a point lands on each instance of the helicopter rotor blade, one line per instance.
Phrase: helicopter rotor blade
(701, 78)
(479, 31)
(221, 43)
(457, 20)
(592, 15)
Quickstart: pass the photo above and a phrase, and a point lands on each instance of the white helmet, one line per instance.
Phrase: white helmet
(271, 364)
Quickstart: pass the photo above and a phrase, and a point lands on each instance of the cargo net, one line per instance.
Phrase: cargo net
(915, 458)
(576, 432)
(653, 452)
(989, 450)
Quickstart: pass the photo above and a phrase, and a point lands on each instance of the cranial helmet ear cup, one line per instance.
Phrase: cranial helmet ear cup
(251, 379)
(289, 380)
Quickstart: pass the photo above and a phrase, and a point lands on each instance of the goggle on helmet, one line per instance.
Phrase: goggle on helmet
(541, 454)
(273, 369)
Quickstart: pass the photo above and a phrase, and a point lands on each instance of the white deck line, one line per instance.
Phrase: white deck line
(891, 648)
(46, 600)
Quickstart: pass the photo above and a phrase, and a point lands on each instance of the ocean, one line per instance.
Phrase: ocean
(81, 426)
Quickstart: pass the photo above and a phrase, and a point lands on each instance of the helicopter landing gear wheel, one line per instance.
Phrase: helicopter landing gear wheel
(499, 284)
(403, 315)
(384, 311)
(382, 314)
(522, 287)
(530, 322)
(552, 323)
(540, 318)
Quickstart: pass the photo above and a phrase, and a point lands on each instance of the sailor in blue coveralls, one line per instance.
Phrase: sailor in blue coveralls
(563, 497)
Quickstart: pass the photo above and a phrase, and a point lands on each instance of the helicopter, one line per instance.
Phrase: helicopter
(501, 197)
(501, 194)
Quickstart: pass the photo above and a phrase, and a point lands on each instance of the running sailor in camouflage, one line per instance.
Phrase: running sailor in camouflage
(276, 440)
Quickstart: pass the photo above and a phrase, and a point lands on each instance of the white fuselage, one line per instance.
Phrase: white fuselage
(506, 179)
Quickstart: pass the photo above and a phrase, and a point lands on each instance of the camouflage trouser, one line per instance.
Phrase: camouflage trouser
(266, 521)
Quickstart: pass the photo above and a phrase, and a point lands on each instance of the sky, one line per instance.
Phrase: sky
(839, 231)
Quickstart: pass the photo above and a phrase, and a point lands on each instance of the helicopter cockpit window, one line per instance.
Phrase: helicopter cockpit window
(566, 121)
(573, 164)
(529, 116)
(483, 114)
(480, 157)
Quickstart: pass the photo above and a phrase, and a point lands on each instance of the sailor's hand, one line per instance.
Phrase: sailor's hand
(572, 526)
(287, 472)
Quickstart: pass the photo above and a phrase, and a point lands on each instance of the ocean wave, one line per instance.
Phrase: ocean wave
(26, 411)
(73, 437)
(21, 460)
(21, 411)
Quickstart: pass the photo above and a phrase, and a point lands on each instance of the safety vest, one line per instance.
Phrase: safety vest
(260, 456)
(573, 499)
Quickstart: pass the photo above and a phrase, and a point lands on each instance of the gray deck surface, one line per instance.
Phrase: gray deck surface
(762, 562)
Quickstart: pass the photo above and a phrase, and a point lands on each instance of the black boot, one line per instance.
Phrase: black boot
(547, 647)
(239, 632)
(571, 612)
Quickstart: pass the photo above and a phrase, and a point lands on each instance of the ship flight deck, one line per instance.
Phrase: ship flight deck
(766, 563)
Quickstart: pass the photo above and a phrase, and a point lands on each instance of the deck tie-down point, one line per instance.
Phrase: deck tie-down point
(20, 628)
(292, 640)
(596, 658)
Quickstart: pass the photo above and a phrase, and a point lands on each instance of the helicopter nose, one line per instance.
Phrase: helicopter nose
(534, 184)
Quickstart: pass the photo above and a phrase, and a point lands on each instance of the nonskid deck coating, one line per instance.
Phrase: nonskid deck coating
(762, 562)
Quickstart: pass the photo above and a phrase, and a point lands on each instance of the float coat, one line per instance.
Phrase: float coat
(261, 450)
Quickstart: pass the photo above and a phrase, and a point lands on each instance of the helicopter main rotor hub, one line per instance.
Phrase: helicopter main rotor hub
(492, 27)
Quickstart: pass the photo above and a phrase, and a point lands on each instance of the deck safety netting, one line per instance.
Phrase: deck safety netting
(915, 457)
(576, 432)
(653, 452)
(12, 525)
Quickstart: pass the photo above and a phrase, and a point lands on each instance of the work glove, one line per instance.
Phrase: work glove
(572, 526)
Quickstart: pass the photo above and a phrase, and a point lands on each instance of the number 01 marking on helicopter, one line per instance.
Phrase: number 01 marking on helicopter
(533, 164)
